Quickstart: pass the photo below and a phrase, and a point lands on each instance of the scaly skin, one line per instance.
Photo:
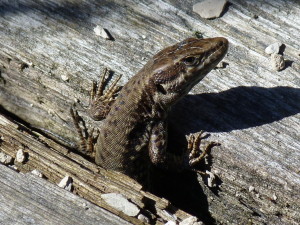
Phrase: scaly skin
(134, 132)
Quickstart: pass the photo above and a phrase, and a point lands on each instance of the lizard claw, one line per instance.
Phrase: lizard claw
(195, 153)
(87, 139)
(100, 100)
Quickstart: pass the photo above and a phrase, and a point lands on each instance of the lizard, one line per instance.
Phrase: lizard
(134, 132)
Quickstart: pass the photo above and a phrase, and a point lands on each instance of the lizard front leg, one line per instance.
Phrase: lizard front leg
(190, 158)
(99, 106)
(100, 101)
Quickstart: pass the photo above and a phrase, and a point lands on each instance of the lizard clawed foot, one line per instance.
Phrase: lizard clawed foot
(100, 101)
(193, 148)
(87, 139)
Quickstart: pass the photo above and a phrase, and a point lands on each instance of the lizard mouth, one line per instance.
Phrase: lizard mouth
(217, 52)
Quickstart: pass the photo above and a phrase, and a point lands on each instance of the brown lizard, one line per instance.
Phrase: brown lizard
(134, 132)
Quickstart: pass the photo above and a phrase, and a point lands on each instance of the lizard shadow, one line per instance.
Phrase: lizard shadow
(233, 109)
(182, 189)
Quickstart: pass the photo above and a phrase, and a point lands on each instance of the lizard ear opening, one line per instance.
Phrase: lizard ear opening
(161, 89)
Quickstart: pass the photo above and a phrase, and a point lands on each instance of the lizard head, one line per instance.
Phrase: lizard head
(178, 68)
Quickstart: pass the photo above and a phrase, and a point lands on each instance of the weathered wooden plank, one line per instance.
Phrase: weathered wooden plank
(89, 181)
(247, 107)
(28, 199)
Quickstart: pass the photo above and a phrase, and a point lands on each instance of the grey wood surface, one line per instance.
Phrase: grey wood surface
(88, 181)
(250, 109)
(28, 199)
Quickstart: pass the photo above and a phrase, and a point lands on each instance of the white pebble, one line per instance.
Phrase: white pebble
(100, 31)
(20, 156)
(5, 159)
(120, 203)
(274, 197)
(170, 223)
(221, 65)
(191, 221)
(143, 218)
(37, 173)
(211, 180)
(251, 188)
(85, 206)
(273, 48)
(210, 9)
(64, 77)
(66, 183)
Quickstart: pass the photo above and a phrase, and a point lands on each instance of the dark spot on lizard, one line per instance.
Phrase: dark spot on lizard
(102, 156)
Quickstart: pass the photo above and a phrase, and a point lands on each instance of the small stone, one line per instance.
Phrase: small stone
(120, 203)
(198, 34)
(144, 36)
(274, 197)
(211, 180)
(20, 156)
(170, 223)
(66, 183)
(65, 77)
(143, 218)
(190, 221)
(100, 31)
(221, 65)
(251, 188)
(277, 62)
(273, 48)
(85, 206)
(238, 194)
(37, 173)
(5, 159)
(210, 9)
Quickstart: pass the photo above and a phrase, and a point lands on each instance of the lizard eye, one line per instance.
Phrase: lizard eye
(191, 61)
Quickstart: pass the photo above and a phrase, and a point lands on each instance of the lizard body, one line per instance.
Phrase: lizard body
(134, 132)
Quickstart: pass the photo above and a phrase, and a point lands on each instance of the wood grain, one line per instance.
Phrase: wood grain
(27, 199)
(250, 109)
